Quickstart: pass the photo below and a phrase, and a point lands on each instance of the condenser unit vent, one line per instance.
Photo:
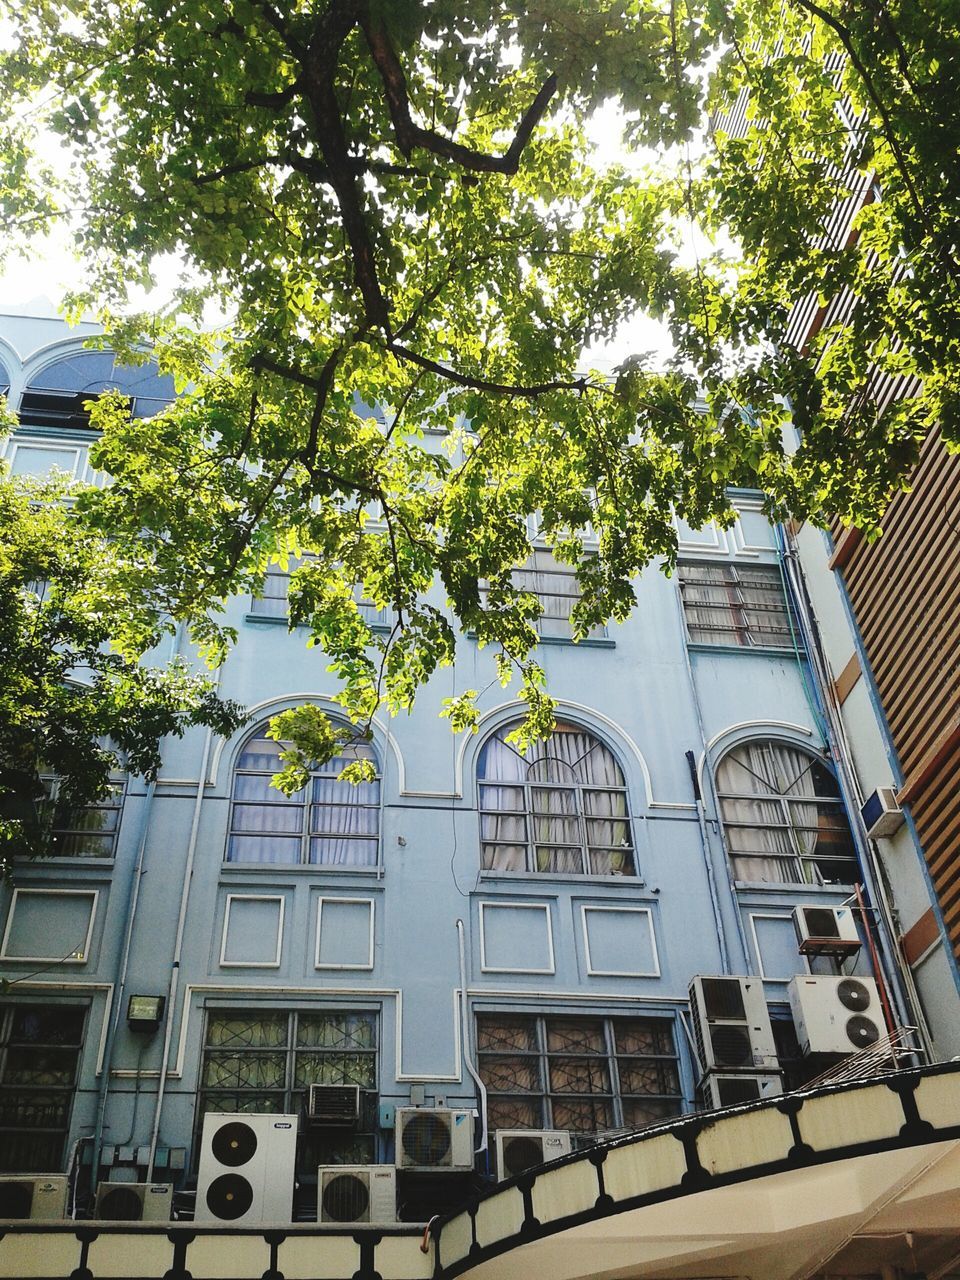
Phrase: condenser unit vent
(434, 1138)
(731, 1024)
(730, 1091)
(836, 1015)
(522, 1149)
(43, 1196)
(333, 1106)
(134, 1201)
(826, 931)
(357, 1193)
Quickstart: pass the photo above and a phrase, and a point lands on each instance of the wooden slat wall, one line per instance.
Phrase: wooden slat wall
(905, 593)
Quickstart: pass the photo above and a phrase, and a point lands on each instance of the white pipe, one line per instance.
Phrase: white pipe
(466, 1038)
(178, 944)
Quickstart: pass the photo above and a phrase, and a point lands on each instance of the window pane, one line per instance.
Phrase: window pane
(515, 1113)
(560, 861)
(512, 1075)
(505, 1034)
(579, 1075)
(553, 800)
(342, 851)
(39, 1060)
(244, 1071)
(651, 1037)
(336, 1030)
(582, 1115)
(267, 818)
(282, 850)
(335, 1068)
(254, 1031)
(575, 1035)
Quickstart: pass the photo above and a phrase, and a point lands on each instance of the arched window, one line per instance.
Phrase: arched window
(561, 808)
(783, 817)
(329, 823)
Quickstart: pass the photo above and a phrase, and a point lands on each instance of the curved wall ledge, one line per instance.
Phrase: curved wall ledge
(776, 1190)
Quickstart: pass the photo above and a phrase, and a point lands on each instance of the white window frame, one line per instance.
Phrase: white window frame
(514, 906)
(84, 955)
(370, 903)
(586, 908)
(252, 964)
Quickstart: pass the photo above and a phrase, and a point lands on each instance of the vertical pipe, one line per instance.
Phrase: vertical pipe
(174, 983)
(467, 1040)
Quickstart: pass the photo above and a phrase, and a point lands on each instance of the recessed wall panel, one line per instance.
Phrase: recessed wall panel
(516, 938)
(50, 924)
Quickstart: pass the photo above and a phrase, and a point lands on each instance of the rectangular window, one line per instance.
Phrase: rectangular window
(736, 606)
(86, 831)
(39, 1059)
(588, 1075)
(556, 587)
(265, 1060)
(271, 602)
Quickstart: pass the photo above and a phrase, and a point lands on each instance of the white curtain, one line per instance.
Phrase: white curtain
(763, 839)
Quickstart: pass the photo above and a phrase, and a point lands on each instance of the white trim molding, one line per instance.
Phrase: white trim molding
(252, 964)
(79, 956)
(619, 973)
(753, 917)
(371, 906)
(512, 904)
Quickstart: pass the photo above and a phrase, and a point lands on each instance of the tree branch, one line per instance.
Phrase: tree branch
(482, 384)
(410, 135)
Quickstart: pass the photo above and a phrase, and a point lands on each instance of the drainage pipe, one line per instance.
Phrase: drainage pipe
(174, 983)
(466, 1038)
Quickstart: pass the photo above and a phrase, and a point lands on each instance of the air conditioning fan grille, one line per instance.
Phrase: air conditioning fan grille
(520, 1154)
(234, 1144)
(333, 1105)
(731, 1046)
(426, 1139)
(346, 1198)
(862, 1031)
(821, 922)
(16, 1199)
(723, 998)
(120, 1204)
(730, 1092)
(853, 995)
(229, 1196)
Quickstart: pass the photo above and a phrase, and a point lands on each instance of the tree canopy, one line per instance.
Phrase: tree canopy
(397, 204)
(70, 708)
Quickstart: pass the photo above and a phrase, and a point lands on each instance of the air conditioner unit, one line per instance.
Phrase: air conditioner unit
(357, 1193)
(434, 1138)
(333, 1106)
(134, 1201)
(247, 1166)
(881, 814)
(42, 1196)
(731, 1024)
(826, 931)
(835, 1015)
(731, 1091)
(522, 1149)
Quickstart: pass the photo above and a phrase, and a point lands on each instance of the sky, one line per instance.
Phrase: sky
(36, 283)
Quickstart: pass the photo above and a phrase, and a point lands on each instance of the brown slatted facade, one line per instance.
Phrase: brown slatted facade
(905, 592)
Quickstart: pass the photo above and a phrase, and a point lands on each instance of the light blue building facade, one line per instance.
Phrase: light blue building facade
(471, 915)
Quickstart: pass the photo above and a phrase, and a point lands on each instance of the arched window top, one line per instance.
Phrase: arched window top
(561, 808)
(571, 754)
(4, 379)
(57, 394)
(327, 823)
(783, 816)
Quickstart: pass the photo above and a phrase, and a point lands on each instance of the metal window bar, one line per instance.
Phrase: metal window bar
(745, 608)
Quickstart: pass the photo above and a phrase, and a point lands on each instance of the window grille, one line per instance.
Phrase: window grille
(556, 587)
(81, 831)
(561, 808)
(272, 600)
(265, 1061)
(39, 1056)
(588, 1075)
(783, 817)
(328, 823)
(728, 604)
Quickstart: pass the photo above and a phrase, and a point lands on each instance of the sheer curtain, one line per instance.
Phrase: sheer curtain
(762, 839)
(269, 827)
(563, 808)
(709, 604)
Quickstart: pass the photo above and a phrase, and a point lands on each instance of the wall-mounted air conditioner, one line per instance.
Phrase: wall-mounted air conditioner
(826, 931)
(134, 1201)
(522, 1149)
(333, 1106)
(835, 1015)
(42, 1196)
(357, 1193)
(881, 814)
(731, 1091)
(434, 1138)
(731, 1025)
(247, 1165)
